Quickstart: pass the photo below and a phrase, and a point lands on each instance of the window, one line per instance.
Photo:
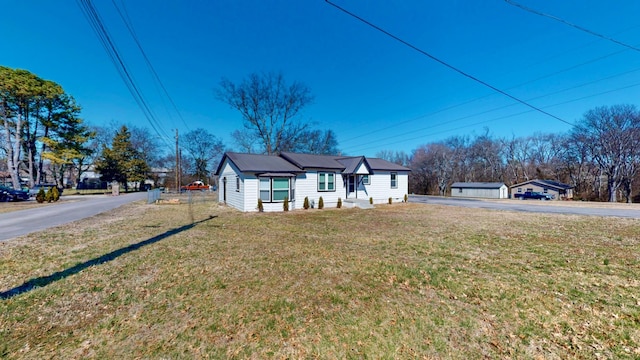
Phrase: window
(546, 191)
(519, 190)
(394, 180)
(326, 182)
(460, 190)
(366, 180)
(237, 183)
(280, 189)
(276, 189)
(265, 189)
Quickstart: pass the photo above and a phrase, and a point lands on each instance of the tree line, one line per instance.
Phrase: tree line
(44, 138)
(599, 157)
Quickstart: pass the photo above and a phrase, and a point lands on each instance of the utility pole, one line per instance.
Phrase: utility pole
(177, 164)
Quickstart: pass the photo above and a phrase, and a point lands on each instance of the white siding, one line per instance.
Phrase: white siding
(234, 198)
(307, 186)
(380, 189)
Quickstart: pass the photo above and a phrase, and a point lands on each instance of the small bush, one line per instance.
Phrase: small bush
(390, 200)
(371, 200)
(41, 196)
(49, 196)
(285, 204)
(55, 194)
(260, 206)
(339, 203)
(320, 203)
(306, 203)
(406, 198)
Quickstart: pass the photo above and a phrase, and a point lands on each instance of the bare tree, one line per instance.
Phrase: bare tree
(270, 109)
(611, 136)
(204, 148)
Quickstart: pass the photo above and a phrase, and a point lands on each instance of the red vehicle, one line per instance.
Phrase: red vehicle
(195, 186)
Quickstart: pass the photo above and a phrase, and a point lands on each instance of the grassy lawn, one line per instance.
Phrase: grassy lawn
(398, 281)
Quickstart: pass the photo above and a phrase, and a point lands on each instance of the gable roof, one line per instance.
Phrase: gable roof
(545, 183)
(478, 185)
(258, 163)
(297, 163)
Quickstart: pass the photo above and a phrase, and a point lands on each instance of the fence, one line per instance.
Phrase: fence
(153, 196)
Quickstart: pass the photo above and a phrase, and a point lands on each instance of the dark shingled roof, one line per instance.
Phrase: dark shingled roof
(547, 183)
(309, 161)
(296, 163)
(259, 163)
(380, 164)
(477, 185)
(350, 164)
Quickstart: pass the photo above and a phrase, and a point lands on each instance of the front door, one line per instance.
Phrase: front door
(351, 187)
(224, 189)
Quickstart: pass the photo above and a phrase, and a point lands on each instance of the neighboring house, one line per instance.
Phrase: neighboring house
(243, 178)
(487, 190)
(559, 190)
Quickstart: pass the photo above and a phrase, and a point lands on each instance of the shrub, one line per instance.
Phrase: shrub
(285, 204)
(260, 206)
(390, 200)
(40, 196)
(406, 198)
(371, 200)
(55, 193)
(306, 203)
(339, 203)
(49, 196)
(320, 203)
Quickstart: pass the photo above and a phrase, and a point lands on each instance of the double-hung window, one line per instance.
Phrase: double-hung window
(366, 180)
(394, 180)
(326, 181)
(275, 189)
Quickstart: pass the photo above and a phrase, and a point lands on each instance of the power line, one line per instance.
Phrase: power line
(92, 16)
(129, 26)
(461, 72)
(591, 32)
(367, 147)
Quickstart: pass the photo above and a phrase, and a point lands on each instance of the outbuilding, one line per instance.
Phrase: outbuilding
(485, 190)
(559, 190)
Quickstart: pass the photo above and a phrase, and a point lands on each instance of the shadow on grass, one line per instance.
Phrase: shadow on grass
(46, 280)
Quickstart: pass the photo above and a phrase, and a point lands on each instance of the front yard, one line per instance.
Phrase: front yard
(398, 281)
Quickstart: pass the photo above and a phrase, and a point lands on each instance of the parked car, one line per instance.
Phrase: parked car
(533, 195)
(9, 194)
(195, 186)
(34, 190)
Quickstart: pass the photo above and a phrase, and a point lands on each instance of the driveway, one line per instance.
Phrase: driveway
(631, 211)
(72, 208)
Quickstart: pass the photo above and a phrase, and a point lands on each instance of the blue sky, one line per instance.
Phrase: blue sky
(372, 91)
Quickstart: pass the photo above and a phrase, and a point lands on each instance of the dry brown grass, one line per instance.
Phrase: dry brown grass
(399, 281)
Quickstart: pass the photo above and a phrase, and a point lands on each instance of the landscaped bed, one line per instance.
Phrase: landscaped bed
(398, 281)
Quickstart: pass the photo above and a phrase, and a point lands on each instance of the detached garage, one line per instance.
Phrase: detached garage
(485, 190)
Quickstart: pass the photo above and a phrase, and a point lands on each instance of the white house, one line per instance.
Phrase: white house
(486, 190)
(243, 178)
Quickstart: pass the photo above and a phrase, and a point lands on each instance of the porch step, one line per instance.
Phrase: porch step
(362, 204)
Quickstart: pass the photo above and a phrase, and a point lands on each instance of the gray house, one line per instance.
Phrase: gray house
(559, 190)
(485, 190)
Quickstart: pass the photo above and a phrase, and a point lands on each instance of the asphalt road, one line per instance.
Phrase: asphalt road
(73, 208)
(526, 206)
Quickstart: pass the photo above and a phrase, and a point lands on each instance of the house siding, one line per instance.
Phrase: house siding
(233, 197)
(499, 193)
(307, 186)
(380, 188)
(536, 188)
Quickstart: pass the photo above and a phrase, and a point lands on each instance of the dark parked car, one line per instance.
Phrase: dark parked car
(533, 195)
(9, 194)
